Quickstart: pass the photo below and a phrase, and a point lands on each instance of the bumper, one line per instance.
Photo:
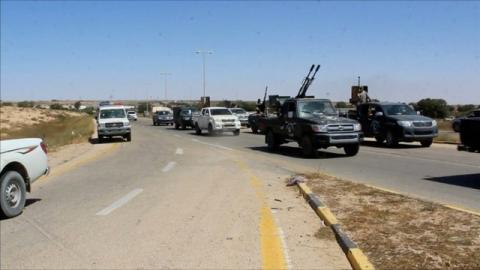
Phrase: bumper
(164, 121)
(338, 139)
(418, 134)
(227, 127)
(113, 131)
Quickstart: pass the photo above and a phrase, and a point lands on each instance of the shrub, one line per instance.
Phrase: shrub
(26, 104)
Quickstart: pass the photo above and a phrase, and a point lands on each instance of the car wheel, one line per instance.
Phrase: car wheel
(351, 150)
(456, 126)
(184, 126)
(198, 131)
(129, 137)
(271, 140)
(379, 139)
(426, 143)
(236, 132)
(254, 129)
(177, 126)
(13, 194)
(308, 148)
(100, 139)
(391, 141)
(210, 129)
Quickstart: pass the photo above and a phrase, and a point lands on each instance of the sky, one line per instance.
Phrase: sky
(404, 51)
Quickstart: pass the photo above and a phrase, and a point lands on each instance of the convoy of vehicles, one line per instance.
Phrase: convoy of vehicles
(395, 122)
(182, 117)
(216, 120)
(22, 162)
(162, 117)
(113, 121)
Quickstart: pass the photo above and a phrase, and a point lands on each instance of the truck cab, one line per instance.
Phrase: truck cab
(313, 124)
(395, 122)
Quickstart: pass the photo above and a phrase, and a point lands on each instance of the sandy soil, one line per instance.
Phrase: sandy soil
(14, 117)
(398, 232)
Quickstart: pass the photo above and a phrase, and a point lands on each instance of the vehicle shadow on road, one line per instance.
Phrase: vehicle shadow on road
(398, 146)
(464, 180)
(205, 134)
(296, 152)
(31, 201)
(112, 140)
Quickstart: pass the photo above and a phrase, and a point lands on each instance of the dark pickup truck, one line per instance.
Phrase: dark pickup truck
(182, 117)
(313, 124)
(470, 134)
(395, 122)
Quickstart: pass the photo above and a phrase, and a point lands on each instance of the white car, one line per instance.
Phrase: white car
(22, 161)
(113, 121)
(216, 120)
(241, 114)
(132, 115)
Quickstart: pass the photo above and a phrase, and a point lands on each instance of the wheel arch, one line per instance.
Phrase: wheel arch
(18, 167)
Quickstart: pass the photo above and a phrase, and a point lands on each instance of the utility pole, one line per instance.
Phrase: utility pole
(165, 74)
(204, 53)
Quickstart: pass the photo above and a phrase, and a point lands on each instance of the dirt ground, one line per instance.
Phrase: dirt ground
(12, 118)
(398, 232)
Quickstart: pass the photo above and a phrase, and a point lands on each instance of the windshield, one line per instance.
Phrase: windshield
(131, 112)
(398, 109)
(316, 108)
(188, 112)
(238, 111)
(112, 113)
(220, 112)
(163, 112)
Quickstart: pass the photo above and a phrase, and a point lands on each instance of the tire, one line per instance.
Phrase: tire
(272, 142)
(128, 137)
(101, 139)
(390, 139)
(210, 129)
(13, 194)
(254, 129)
(236, 132)
(184, 126)
(456, 126)
(380, 139)
(308, 149)
(177, 126)
(351, 150)
(198, 131)
(426, 143)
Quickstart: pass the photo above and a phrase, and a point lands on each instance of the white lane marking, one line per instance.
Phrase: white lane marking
(119, 203)
(179, 151)
(281, 234)
(169, 166)
(214, 145)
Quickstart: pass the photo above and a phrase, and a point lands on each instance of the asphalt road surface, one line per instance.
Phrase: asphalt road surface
(168, 199)
(439, 173)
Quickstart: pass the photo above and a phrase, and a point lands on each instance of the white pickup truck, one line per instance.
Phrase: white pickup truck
(22, 161)
(216, 120)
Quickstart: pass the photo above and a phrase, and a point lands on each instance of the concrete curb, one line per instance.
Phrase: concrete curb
(354, 254)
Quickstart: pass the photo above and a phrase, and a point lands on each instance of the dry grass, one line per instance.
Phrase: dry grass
(398, 232)
(59, 130)
(447, 137)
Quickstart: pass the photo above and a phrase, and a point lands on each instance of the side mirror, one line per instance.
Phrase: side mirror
(379, 114)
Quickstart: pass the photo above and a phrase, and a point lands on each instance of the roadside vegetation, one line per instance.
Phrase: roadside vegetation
(399, 232)
(57, 128)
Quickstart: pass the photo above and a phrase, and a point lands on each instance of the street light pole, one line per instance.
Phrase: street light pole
(165, 74)
(204, 53)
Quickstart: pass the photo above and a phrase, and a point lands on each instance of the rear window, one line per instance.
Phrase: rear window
(112, 113)
(239, 111)
(220, 112)
(163, 112)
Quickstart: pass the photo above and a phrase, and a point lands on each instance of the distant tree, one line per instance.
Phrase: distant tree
(247, 105)
(56, 106)
(26, 104)
(90, 110)
(77, 105)
(435, 108)
(341, 104)
(142, 107)
(6, 104)
(225, 103)
(465, 108)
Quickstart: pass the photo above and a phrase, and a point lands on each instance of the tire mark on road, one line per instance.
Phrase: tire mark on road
(169, 166)
(179, 151)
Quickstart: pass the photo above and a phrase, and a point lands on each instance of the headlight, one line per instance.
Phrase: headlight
(319, 128)
(357, 127)
(434, 123)
(405, 123)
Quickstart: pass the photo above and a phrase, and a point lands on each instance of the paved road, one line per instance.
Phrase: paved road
(439, 173)
(168, 200)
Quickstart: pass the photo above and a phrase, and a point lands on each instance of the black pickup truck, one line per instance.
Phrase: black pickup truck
(395, 122)
(182, 117)
(313, 124)
(470, 134)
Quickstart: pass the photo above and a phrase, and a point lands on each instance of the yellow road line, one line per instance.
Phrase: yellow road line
(272, 249)
(455, 207)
